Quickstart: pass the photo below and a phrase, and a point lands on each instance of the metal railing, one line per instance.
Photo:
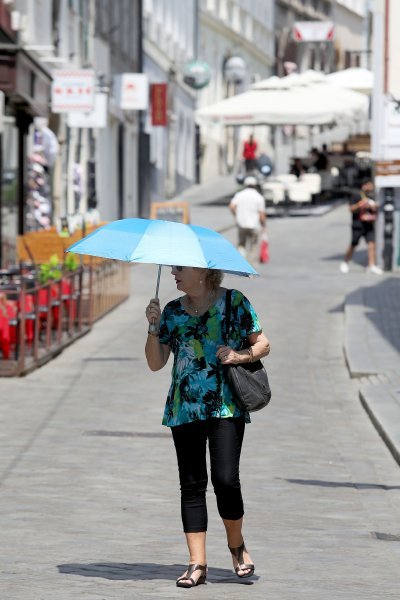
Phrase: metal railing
(50, 317)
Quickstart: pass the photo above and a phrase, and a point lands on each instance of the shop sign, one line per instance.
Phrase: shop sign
(392, 118)
(313, 31)
(1, 112)
(387, 173)
(95, 119)
(158, 96)
(132, 91)
(72, 90)
(196, 74)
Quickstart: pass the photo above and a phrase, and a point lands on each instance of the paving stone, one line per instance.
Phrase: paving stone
(97, 516)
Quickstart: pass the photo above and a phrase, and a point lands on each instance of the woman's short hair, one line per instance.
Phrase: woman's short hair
(214, 277)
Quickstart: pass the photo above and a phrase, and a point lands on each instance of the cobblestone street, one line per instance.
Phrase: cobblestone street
(89, 488)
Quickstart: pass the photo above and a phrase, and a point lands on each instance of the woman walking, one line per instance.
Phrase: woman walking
(200, 405)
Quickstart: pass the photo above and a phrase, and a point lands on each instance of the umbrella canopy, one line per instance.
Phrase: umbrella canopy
(356, 78)
(317, 88)
(272, 106)
(164, 243)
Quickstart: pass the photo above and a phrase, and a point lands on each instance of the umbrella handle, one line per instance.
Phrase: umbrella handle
(152, 326)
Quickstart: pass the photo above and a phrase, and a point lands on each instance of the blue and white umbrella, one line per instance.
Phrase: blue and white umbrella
(164, 243)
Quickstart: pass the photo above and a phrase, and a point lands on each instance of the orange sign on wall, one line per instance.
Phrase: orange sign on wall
(158, 94)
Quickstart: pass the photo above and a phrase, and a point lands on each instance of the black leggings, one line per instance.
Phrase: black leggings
(225, 438)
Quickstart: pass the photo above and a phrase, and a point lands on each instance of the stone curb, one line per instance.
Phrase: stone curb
(382, 403)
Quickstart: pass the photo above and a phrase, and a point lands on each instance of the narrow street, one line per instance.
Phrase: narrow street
(89, 489)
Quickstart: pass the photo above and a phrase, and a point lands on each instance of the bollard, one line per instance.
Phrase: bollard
(388, 227)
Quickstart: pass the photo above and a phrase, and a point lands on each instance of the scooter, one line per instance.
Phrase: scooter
(262, 171)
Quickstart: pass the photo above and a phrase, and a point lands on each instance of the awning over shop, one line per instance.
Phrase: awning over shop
(26, 84)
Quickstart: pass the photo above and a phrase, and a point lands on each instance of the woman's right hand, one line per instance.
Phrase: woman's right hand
(153, 312)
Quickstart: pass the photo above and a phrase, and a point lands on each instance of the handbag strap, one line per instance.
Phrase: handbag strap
(228, 304)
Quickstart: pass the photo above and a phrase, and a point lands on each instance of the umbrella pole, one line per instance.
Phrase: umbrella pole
(152, 326)
(158, 280)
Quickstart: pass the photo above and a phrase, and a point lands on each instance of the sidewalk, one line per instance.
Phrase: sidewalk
(372, 321)
(372, 347)
(89, 507)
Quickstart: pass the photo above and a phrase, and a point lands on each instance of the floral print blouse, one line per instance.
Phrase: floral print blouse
(199, 389)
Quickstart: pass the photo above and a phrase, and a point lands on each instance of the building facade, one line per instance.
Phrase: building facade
(117, 50)
(351, 36)
(300, 56)
(350, 46)
(25, 85)
(169, 43)
(54, 168)
(239, 32)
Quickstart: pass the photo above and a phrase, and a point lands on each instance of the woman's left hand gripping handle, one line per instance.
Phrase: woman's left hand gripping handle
(153, 314)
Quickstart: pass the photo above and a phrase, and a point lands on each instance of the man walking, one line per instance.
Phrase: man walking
(248, 207)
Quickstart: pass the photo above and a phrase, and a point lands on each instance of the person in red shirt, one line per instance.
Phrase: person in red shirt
(249, 154)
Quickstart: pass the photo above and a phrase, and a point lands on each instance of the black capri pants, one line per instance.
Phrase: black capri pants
(225, 437)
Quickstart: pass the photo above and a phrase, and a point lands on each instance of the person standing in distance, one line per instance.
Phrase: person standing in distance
(250, 154)
(364, 211)
(248, 208)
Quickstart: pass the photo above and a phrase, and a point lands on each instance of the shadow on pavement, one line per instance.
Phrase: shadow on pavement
(339, 308)
(360, 257)
(344, 484)
(146, 571)
(382, 308)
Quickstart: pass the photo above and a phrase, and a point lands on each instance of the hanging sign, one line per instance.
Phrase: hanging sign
(196, 74)
(387, 173)
(1, 112)
(72, 90)
(132, 91)
(158, 96)
(313, 31)
(96, 119)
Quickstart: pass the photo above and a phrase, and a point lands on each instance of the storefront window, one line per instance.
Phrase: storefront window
(9, 221)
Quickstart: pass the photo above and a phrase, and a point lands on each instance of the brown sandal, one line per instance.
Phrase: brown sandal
(188, 577)
(238, 554)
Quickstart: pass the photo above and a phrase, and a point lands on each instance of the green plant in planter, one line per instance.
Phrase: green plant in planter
(71, 262)
(50, 271)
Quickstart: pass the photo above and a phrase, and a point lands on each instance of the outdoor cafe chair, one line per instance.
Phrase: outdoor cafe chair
(11, 319)
(286, 178)
(273, 191)
(313, 181)
(299, 192)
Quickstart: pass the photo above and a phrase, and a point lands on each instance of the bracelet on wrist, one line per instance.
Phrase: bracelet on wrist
(153, 333)
(249, 354)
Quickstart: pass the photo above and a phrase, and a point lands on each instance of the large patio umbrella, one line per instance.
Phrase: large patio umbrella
(345, 104)
(272, 106)
(355, 78)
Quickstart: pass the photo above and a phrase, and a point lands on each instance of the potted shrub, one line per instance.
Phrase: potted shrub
(50, 271)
